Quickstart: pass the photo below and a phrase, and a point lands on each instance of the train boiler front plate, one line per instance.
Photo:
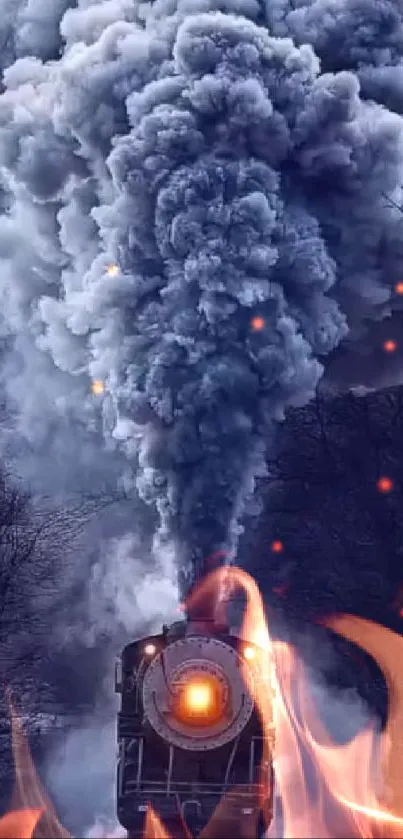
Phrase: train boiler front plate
(194, 695)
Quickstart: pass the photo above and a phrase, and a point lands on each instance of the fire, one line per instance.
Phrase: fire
(31, 812)
(356, 788)
(325, 789)
(153, 827)
(19, 824)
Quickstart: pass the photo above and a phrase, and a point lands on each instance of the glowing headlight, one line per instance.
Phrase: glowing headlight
(149, 650)
(249, 653)
(199, 700)
(198, 697)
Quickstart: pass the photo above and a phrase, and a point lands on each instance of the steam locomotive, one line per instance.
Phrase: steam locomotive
(189, 733)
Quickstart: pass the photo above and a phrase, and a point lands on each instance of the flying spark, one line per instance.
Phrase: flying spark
(385, 485)
(277, 546)
(97, 387)
(390, 346)
(257, 323)
(112, 270)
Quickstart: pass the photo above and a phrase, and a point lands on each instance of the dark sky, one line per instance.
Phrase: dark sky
(340, 534)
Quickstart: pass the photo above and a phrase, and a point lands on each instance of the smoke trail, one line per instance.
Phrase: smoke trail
(237, 179)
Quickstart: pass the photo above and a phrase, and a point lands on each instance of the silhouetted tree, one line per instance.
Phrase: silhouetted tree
(38, 542)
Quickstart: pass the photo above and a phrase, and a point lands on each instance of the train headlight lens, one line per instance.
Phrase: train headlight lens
(199, 697)
(149, 650)
(199, 701)
(249, 653)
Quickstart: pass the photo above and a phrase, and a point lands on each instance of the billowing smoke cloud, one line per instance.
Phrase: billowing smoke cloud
(30, 27)
(237, 160)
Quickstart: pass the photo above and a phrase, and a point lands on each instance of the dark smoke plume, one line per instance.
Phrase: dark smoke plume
(241, 162)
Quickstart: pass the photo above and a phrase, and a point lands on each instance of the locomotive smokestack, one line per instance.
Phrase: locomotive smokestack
(206, 604)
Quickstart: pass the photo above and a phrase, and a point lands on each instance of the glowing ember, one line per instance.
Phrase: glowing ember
(277, 546)
(385, 484)
(257, 323)
(97, 387)
(399, 288)
(390, 346)
(112, 270)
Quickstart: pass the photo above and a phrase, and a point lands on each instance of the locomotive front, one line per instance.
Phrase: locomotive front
(188, 729)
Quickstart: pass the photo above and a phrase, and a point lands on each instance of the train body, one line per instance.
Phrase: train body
(189, 732)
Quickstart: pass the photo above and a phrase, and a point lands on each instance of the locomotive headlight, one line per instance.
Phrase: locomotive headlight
(199, 697)
(199, 700)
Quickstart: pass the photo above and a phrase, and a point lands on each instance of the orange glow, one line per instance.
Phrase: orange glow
(112, 270)
(357, 789)
(385, 484)
(30, 812)
(199, 700)
(277, 546)
(390, 346)
(249, 653)
(399, 288)
(257, 323)
(199, 697)
(154, 827)
(97, 387)
(19, 824)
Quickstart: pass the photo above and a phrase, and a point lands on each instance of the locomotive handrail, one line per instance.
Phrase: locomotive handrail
(156, 787)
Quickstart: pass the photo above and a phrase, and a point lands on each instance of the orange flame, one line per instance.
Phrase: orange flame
(19, 824)
(386, 647)
(351, 796)
(153, 827)
(31, 812)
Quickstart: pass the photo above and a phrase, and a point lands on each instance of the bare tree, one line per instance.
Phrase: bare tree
(38, 549)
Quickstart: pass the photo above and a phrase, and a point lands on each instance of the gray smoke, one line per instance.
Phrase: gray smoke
(235, 159)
